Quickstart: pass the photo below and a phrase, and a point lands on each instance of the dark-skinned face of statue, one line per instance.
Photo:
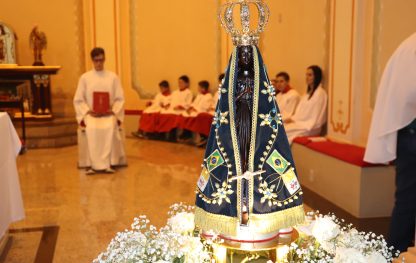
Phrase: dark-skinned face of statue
(245, 55)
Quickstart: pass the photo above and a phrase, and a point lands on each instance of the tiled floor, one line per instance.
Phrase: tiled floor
(23, 247)
(89, 210)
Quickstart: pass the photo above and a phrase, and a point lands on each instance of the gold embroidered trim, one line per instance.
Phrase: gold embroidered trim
(233, 130)
(262, 223)
(275, 132)
(254, 126)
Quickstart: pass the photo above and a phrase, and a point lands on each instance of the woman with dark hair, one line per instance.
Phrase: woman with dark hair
(311, 113)
(313, 79)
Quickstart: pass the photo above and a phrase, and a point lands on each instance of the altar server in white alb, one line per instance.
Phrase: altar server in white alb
(161, 101)
(393, 137)
(181, 98)
(287, 98)
(99, 106)
(311, 113)
(203, 101)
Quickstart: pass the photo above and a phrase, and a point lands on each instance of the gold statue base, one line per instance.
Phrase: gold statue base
(274, 250)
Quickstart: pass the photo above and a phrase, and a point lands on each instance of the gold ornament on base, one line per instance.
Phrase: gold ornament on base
(275, 250)
(38, 42)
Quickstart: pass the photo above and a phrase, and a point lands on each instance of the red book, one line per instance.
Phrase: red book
(101, 102)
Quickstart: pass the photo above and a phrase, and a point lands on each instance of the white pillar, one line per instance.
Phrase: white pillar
(349, 71)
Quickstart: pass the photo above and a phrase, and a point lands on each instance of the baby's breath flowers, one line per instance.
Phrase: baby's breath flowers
(144, 243)
(328, 239)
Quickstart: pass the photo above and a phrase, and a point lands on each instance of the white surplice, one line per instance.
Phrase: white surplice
(202, 104)
(287, 103)
(180, 98)
(158, 103)
(395, 104)
(104, 139)
(310, 115)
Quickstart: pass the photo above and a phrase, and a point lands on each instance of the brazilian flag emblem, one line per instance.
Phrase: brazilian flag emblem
(214, 160)
(277, 162)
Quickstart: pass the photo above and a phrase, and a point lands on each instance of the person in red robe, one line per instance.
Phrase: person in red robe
(149, 118)
(201, 104)
(169, 120)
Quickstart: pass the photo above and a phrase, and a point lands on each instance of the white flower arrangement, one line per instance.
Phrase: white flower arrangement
(174, 242)
(326, 239)
(182, 223)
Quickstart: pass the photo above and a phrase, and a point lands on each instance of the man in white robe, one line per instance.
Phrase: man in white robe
(181, 98)
(311, 113)
(104, 141)
(287, 98)
(393, 137)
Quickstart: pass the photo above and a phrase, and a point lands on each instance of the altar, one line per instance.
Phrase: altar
(31, 85)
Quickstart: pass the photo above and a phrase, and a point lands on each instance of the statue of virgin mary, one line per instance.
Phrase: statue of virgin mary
(248, 177)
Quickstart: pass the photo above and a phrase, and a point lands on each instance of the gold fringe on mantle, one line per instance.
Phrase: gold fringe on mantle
(263, 223)
(218, 223)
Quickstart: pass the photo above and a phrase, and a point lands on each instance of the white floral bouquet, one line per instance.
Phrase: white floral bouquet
(174, 242)
(329, 239)
(326, 239)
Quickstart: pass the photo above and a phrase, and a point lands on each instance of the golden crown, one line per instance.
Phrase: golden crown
(244, 36)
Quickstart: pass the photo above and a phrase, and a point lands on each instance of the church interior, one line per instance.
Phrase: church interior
(62, 210)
